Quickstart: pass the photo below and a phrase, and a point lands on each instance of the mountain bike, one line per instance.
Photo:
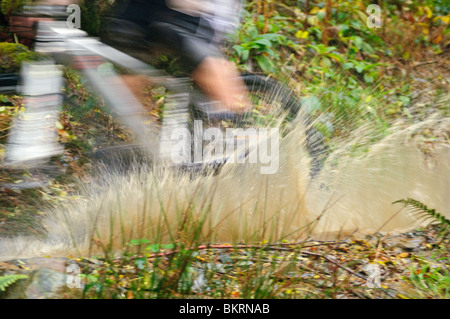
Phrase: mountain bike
(185, 108)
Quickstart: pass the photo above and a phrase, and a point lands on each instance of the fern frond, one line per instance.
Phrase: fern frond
(421, 210)
(7, 280)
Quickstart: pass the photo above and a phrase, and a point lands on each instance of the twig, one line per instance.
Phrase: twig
(423, 63)
(336, 263)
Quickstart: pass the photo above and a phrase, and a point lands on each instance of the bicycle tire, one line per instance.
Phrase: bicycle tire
(281, 103)
(292, 105)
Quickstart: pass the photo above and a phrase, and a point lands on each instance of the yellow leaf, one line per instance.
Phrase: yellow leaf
(313, 20)
(428, 12)
(314, 10)
(403, 255)
(368, 99)
(58, 125)
(444, 19)
(301, 34)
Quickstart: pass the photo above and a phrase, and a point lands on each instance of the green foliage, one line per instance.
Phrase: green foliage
(431, 279)
(13, 54)
(258, 46)
(90, 16)
(8, 7)
(8, 280)
(340, 61)
(423, 212)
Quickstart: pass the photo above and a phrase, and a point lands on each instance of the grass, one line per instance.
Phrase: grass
(287, 270)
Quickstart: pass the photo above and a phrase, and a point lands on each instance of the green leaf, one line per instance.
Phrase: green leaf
(273, 37)
(368, 78)
(358, 41)
(348, 65)
(7, 280)
(238, 49)
(153, 248)
(330, 49)
(265, 64)
(245, 55)
(139, 241)
(311, 104)
(264, 42)
(367, 48)
(325, 62)
(140, 263)
(168, 246)
(405, 100)
(359, 68)
(336, 56)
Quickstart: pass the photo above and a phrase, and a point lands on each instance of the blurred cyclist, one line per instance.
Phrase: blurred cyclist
(192, 29)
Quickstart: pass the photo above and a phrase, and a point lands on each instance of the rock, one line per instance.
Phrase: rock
(404, 243)
(47, 279)
(412, 244)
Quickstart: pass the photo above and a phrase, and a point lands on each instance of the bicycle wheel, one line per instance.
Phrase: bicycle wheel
(274, 105)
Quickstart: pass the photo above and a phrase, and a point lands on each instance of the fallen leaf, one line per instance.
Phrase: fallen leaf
(403, 255)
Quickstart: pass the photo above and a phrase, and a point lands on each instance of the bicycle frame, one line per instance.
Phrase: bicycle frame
(74, 48)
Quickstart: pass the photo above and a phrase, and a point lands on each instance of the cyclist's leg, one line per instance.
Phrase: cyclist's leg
(214, 74)
(218, 78)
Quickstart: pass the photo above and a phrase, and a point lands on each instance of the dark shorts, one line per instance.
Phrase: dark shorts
(190, 38)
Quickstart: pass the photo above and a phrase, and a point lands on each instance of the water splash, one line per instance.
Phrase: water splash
(351, 194)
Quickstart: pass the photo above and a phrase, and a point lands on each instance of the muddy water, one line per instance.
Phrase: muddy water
(362, 190)
(242, 205)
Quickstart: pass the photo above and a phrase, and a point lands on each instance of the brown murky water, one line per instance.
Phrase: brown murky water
(242, 205)
(403, 165)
